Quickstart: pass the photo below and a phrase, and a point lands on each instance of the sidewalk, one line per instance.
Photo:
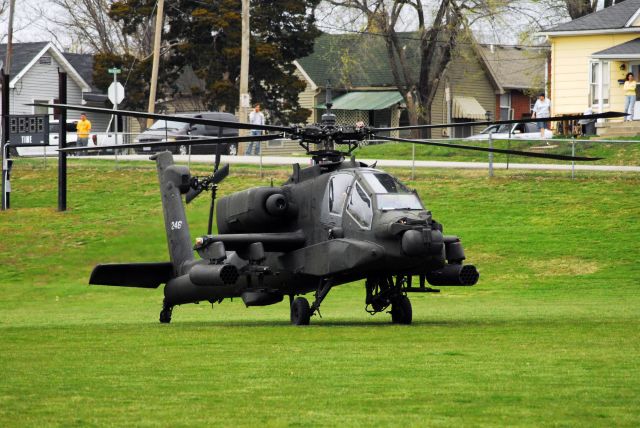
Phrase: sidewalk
(303, 161)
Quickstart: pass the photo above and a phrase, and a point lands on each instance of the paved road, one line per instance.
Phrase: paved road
(288, 160)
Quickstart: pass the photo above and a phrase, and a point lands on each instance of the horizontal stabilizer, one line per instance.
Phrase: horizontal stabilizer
(143, 275)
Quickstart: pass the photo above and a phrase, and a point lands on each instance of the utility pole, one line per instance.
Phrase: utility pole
(245, 99)
(6, 156)
(7, 62)
(156, 59)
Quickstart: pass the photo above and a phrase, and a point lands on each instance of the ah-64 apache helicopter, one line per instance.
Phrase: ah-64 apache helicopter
(331, 223)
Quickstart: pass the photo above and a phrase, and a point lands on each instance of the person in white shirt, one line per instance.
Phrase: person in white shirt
(256, 117)
(541, 109)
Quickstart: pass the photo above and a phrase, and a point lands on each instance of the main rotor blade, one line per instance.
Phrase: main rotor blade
(163, 143)
(191, 120)
(486, 149)
(606, 115)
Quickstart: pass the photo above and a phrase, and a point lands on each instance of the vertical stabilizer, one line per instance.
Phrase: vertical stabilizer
(174, 181)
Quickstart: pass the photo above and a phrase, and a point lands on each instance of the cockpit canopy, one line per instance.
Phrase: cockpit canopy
(390, 194)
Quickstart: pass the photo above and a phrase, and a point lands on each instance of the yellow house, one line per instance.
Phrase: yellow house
(590, 57)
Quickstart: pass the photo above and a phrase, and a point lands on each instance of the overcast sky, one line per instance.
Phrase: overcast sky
(30, 25)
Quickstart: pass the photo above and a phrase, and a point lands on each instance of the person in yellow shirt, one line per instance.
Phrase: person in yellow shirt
(83, 128)
(629, 95)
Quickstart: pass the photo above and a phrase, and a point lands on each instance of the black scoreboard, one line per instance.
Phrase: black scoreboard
(29, 129)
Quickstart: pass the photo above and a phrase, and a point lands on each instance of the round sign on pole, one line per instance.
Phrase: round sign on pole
(116, 93)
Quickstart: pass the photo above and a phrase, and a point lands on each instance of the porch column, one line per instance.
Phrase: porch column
(600, 87)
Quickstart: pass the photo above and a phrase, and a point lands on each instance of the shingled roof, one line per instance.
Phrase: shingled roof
(83, 63)
(627, 49)
(614, 17)
(517, 67)
(355, 60)
(22, 54)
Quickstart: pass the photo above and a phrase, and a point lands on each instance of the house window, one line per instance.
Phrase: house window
(462, 131)
(46, 60)
(40, 109)
(505, 106)
(275, 143)
(599, 70)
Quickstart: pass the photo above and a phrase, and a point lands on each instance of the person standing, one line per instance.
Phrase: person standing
(83, 128)
(542, 109)
(256, 117)
(629, 96)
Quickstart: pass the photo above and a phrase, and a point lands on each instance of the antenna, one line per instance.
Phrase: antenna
(328, 118)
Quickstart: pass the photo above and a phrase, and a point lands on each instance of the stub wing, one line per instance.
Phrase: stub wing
(142, 275)
(334, 257)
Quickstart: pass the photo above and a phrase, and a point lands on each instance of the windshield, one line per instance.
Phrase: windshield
(390, 193)
(398, 201)
(168, 124)
(497, 128)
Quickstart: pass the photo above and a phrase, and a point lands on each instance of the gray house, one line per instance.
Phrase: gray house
(34, 78)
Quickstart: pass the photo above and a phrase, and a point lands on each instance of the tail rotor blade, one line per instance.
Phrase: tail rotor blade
(212, 180)
(192, 194)
(220, 174)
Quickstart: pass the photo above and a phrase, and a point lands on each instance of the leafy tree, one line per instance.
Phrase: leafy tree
(135, 76)
(206, 36)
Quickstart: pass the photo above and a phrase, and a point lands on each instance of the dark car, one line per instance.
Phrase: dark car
(180, 131)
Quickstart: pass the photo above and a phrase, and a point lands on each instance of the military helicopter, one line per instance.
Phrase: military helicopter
(331, 223)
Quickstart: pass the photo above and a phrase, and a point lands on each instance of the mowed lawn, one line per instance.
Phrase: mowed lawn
(549, 336)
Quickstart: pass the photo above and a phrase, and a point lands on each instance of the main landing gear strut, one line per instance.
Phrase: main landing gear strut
(301, 312)
(383, 292)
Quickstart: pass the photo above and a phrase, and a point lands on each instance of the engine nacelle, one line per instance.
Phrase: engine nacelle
(255, 210)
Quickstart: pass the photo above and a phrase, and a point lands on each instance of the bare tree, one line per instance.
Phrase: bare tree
(87, 27)
(438, 36)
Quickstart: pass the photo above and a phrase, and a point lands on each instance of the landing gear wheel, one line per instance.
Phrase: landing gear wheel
(401, 312)
(165, 315)
(300, 311)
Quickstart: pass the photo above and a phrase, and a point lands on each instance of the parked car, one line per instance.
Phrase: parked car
(521, 131)
(95, 139)
(180, 131)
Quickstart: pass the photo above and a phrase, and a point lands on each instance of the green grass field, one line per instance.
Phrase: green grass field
(550, 336)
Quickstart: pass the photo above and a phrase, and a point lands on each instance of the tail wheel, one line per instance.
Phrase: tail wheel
(165, 314)
(401, 312)
(300, 311)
